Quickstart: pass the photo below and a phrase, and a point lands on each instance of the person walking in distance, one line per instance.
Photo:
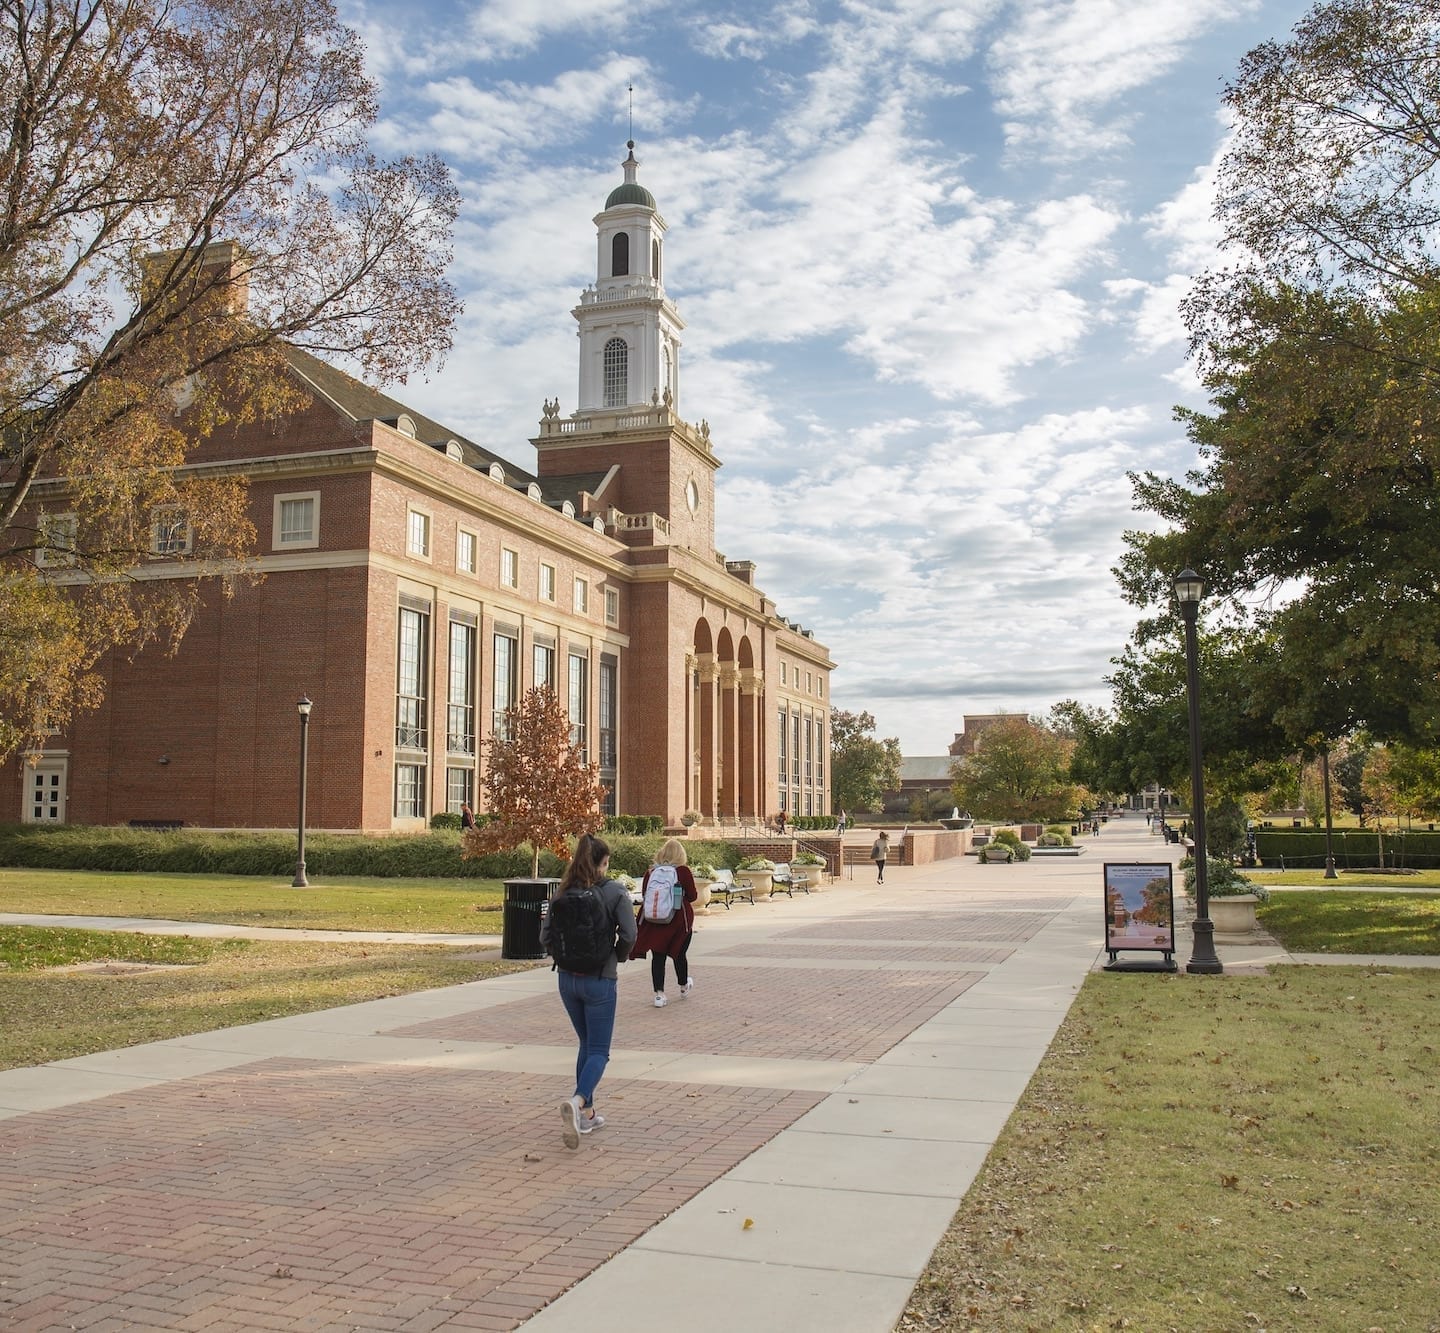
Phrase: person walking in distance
(878, 853)
(588, 931)
(667, 918)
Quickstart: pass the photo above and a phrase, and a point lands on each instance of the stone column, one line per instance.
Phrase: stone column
(752, 752)
(729, 679)
(708, 747)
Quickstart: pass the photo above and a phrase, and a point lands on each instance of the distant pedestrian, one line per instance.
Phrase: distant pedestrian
(878, 853)
(780, 822)
(668, 939)
(841, 823)
(588, 930)
(467, 816)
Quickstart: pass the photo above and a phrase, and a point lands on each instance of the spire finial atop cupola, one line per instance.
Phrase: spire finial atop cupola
(631, 192)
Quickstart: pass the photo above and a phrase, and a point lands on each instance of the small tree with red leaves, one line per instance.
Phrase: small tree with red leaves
(539, 788)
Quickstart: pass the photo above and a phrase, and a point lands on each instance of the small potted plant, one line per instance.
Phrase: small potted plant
(812, 866)
(1233, 897)
(755, 871)
(704, 874)
(690, 818)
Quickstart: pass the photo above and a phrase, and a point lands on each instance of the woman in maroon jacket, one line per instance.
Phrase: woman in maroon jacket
(672, 938)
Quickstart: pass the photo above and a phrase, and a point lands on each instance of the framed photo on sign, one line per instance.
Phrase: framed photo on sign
(1140, 909)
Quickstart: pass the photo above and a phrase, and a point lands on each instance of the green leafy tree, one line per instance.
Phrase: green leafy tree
(1020, 770)
(862, 769)
(188, 194)
(1403, 780)
(539, 788)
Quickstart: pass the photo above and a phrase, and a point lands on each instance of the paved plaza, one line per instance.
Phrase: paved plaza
(785, 1147)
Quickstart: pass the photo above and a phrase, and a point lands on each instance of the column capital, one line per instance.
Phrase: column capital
(752, 681)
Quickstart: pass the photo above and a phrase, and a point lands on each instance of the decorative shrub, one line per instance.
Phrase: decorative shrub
(1011, 839)
(1222, 880)
(446, 819)
(702, 870)
(1061, 831)
(755, 863)
(807, 859)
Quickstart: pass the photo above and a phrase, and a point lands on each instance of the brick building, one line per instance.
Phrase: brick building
(416, 583)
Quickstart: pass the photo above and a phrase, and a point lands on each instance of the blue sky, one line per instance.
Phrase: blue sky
(928, 253)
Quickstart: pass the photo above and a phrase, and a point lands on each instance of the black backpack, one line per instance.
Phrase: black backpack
(582, 931)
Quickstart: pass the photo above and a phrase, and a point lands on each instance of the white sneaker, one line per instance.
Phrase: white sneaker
(687, 988)
(590, 1123)
(570, 1118)
(659, 999)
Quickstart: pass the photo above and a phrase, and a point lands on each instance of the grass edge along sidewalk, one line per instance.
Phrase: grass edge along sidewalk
(1205, 1153)
(192, 985)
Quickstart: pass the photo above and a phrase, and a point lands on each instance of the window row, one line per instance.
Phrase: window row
(462, 701)
(814, 680)
(801, 750)
(467, 561)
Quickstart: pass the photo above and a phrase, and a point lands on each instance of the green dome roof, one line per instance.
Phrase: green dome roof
(630, 193)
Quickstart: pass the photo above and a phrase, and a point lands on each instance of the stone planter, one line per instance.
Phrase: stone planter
(1234, 915)
(813, 877)
(997, 852)
(758, 880)
(702, 896)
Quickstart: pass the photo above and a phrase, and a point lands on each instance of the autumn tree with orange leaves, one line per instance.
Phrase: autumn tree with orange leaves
(186, 192)
(539, 787)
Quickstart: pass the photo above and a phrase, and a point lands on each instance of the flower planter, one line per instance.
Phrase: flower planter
(702, 896)
(758, 880)
(813, 877)
(1234, 915)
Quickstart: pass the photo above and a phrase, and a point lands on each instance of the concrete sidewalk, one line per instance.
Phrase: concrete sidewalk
(835, 1081)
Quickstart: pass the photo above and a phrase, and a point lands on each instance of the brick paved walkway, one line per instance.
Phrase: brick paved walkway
(397, 1165)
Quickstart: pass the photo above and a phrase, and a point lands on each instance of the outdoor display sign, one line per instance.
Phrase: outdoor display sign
(1140, 914)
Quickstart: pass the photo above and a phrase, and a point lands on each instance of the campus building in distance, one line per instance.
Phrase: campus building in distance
(416, 583)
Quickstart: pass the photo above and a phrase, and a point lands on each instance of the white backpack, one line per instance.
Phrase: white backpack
(660, 895)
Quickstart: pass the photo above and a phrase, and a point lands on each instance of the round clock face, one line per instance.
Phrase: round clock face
(692, 495)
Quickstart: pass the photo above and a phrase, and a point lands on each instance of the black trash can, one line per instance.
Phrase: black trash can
(525, 903)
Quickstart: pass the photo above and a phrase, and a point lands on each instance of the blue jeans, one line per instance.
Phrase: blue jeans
(590, 1002)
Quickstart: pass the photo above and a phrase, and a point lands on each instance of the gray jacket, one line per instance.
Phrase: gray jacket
(616, 897)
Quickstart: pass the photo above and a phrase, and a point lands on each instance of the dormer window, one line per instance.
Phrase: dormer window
(617, 373)
(620, 254)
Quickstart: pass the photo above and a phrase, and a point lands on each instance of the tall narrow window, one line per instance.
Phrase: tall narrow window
(609, 702)
(543, 666)
(581, 600)
(617, 373)
(547, 583)
(502, 696)
(669, 370)
(412, 672)
(784, 734)
(655, 260)
(170, 532)
(459, 788)
(509, 567)
(578, 696)
(809, 752)
(418, 534)
(460, 720)
(466, 545)
(795, 749)
(620, 254)
(612, 606)
(410, 791)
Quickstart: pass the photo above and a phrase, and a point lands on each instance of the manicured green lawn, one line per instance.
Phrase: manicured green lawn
(1347, 879)
(461, 906)
(1212, 1153)
(49, 1015)
(1354, 922)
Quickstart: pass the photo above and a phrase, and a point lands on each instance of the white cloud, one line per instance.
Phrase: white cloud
(504, 28)
(1065, 61)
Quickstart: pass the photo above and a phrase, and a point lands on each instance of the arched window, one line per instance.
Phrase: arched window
(617, 373)
(620, 254)
(655, 260)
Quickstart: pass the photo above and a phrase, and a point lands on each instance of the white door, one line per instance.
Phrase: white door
(45, 792)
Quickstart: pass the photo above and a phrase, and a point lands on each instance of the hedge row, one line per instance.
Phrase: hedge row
(1418, 849)
(420, 855)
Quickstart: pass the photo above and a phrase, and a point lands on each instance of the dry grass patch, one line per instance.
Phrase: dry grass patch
(47, 1015)
(456, 906)
(1213, 1153)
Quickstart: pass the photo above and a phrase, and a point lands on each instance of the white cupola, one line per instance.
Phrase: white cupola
(629, 329)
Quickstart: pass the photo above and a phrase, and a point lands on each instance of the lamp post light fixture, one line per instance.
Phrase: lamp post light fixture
(303, 708)
(1203, 958)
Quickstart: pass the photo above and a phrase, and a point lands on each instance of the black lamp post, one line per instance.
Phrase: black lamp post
(1329, 823)
(1203, 957)
(303, 708)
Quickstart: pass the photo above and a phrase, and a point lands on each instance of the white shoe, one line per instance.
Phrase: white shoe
(659, 999)
(687, 988)
(590, 1123)
(570, 1117)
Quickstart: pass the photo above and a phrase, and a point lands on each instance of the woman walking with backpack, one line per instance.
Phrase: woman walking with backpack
(588, 931)
(667, 927)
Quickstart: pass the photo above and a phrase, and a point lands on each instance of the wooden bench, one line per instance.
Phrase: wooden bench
(724, 889)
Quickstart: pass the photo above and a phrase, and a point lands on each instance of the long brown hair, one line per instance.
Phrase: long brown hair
(584, 868)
